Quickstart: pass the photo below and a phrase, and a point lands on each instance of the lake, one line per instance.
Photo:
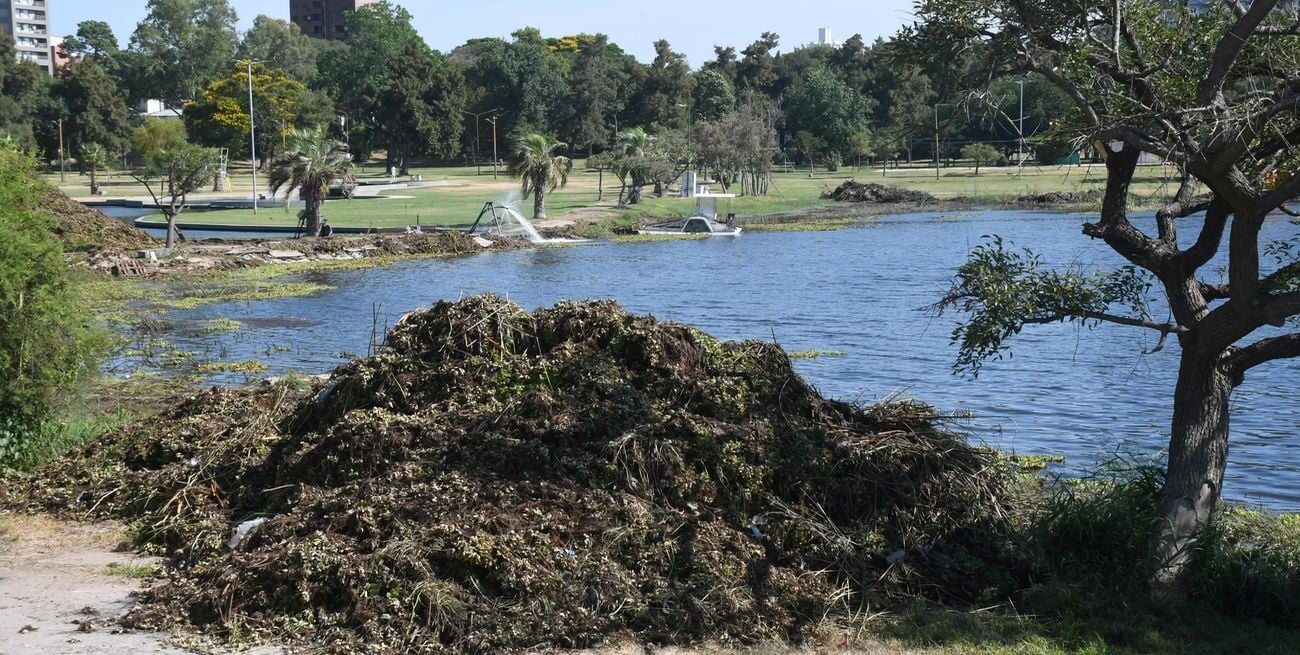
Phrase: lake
(1081, 393)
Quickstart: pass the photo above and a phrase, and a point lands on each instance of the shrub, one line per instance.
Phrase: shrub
(1093, 535)
(1095, 531)
(1050, 153)
(46, 339)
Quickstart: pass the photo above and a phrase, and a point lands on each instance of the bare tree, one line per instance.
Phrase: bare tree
(1213, 91)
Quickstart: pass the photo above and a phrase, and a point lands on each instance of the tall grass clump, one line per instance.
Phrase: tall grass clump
(1250, 566)
(1087, 545)
(1094, 532)
(47, 340)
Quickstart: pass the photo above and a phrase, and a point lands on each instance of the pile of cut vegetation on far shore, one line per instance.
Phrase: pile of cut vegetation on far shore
(853, 191)
(82, 228)
(497, 480)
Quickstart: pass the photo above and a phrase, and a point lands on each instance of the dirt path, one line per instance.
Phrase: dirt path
(62, 586)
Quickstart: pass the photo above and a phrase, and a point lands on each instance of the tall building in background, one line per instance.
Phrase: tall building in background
(322, 19)
(28, 21)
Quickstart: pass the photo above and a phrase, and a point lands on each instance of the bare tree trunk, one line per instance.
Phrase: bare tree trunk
(171, 231)
(1198, 456)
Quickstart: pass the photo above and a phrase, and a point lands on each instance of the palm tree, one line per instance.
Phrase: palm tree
(308, 165)
(540, 169)
(94, 157)
(633, 146)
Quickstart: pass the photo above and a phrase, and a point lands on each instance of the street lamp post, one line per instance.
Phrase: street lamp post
(690, 150)
(936, 139)
(252, 131)
(477, 120)
(1020, 134)
(61, 159)
(493, 121)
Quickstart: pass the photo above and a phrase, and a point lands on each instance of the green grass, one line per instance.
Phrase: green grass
(1121, 629)
(72, 427)
(461, 194)
(131, 571)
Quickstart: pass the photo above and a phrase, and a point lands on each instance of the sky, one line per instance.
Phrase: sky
(691, 28)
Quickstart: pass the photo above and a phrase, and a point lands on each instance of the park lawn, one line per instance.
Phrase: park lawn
(462, 192)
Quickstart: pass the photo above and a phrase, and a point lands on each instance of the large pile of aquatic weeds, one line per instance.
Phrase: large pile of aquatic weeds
(853, 191)
(82, 228)
(495, 480)
(1059, 198)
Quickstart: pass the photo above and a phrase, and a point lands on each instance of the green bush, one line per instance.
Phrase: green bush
(1091, 537)
(1095, 532)
(1050, 153)
(47, 340)
(1250, 566)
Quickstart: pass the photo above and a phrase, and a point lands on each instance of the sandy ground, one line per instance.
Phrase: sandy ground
(57, 596)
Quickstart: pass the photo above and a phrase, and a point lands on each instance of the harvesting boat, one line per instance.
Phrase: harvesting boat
(704, 221)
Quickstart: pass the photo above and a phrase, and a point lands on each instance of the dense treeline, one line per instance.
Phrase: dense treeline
(383, 89)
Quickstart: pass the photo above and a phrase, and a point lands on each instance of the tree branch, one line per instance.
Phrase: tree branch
(1163, 328)
(1181, 207)
(1207, 244)
(1225, 55)
(1114, 227)
(1266, 350)
(1214, 291)
(1277, 309)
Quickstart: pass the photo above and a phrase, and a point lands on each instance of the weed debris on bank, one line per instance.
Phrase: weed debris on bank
(853, 191)
(494, 480)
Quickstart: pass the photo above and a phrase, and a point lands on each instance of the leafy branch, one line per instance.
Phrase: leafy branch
(1004, 289)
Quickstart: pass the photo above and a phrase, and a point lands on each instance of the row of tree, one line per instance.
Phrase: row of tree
(383, 88)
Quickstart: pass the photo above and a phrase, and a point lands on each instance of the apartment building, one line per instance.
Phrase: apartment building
(323, 19)
(28, 21)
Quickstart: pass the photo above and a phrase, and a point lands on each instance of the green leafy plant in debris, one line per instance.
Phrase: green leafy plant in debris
(222, 325)
(814, 353)
(655, 238)
(131, 571)
(823, 225)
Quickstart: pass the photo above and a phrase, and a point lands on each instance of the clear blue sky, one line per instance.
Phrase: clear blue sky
(692, 27)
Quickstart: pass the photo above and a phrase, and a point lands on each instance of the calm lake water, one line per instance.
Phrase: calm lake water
(1081, 393)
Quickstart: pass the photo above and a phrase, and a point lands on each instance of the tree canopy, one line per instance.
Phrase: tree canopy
(1213, 91)
(186, 44)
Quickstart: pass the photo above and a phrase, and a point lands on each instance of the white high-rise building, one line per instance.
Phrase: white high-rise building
(28, 21)
(826, 37)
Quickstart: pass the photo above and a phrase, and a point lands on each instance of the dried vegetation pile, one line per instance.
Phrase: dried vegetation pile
(1059, 198)
(852, 191)
(495, 480)
(81, 227)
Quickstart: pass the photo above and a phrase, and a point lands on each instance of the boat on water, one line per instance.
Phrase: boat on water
(704, 221)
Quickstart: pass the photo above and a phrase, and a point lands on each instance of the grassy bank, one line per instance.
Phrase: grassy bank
(459, 194)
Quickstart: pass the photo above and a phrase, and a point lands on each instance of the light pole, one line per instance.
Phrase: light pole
(493, 121)
(690, 150)
(252, 131)
(1020, 134)
(477, 120)
(61, 167)
(936, 138)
